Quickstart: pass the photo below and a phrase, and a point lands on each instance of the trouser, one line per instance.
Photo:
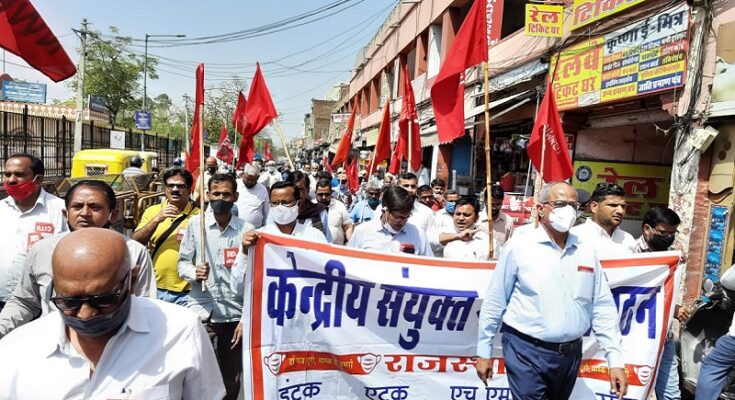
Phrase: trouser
(667, 383)
(538, 373)
(715, 369)
(180, 298)
(229, 360)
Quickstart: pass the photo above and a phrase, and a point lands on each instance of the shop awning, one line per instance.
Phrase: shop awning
(510, 103)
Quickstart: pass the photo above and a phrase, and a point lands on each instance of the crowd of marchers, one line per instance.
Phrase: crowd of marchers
(101, 315)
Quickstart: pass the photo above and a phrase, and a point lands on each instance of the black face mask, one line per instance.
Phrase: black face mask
(659, 242)
(221, 206)
(212, 170)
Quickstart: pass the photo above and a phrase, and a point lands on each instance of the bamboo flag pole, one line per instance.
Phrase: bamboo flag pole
(202, 224)
(539, 177)
(235, 147)
(409, 167)
(488, 177)
(285, 147)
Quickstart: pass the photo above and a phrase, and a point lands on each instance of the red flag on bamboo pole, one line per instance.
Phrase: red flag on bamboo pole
(193, 159)
(382, 146)
(24, 33)
(238, 118)
(469, 48)
(353, 181)
(345, 144)
(556, 165)
(267, 152)
(409, 126)
(259, 110)
(225, 151)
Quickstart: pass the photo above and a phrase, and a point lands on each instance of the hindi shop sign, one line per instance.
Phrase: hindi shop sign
(326, 322)
(646, 57)
(544, 20)
(588, 11)
(646, 186)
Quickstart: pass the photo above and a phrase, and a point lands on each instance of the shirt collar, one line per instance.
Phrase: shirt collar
(641, 245)
(40, 201)
(539, 235)
(136, 321)
(211, 222)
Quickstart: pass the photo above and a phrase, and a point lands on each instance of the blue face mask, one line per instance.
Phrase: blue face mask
(449, 206)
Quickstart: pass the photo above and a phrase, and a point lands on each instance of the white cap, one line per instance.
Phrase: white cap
(251, 169)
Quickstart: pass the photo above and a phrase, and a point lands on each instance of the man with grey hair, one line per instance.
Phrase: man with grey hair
(253, 204)
(363, 210)
(270, 175)
(548, 290)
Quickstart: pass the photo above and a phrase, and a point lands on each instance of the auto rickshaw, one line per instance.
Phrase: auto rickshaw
(134, 194)
(95, 162)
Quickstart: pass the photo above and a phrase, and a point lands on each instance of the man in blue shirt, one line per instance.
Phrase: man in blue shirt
(548, 290)
(363, 210)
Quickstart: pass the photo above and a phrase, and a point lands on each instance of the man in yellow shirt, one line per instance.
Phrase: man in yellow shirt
(161, 229)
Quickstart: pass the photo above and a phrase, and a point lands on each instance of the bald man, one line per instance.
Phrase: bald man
(106, 342)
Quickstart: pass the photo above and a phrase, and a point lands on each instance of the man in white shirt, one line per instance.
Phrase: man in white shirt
(106, 343)
(393, 231)
(340, 223)
(270, 175)
(465, 241)
(90, 204)
(502, 223)
(548, 290)
(252, 203)
(444, 218)
(602, 230)
(27, 215)
(210, 168)
(284, 212)
(421, 216)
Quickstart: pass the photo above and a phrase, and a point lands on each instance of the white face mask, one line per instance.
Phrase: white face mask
(390, 229)
(562, 219)
(284, 215)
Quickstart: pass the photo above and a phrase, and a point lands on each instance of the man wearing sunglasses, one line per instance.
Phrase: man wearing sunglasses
(89, 204)
(602, 230)
(104, 342)
(162, 228)
(548, 290)
(393, 231)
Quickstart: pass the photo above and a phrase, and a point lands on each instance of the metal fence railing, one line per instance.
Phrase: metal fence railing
(52, 140)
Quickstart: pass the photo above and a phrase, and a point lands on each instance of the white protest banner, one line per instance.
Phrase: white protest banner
(328, 322)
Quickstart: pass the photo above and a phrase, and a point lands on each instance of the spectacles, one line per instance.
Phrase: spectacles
(180, 186)
(283, 203)
(99, 301)
(665, 233)
(399, 217)
(563, 203)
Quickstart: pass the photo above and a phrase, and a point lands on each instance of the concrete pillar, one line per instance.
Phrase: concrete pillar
(421, 47)
(450, 26)
(444, 161)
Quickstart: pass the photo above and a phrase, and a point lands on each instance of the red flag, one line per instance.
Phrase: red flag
(395, 162)
(447, 93)
(343, 150)
(267, 152)
(325, 163)
(192, 162)
(382, 146)
(353, 182)
(225, 151)
(557, 163)
(238, 118)
(409, 116)
(259, 110)
(247, 151)
(24, 33)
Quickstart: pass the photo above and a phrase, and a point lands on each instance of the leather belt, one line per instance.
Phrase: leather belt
(566, 347)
